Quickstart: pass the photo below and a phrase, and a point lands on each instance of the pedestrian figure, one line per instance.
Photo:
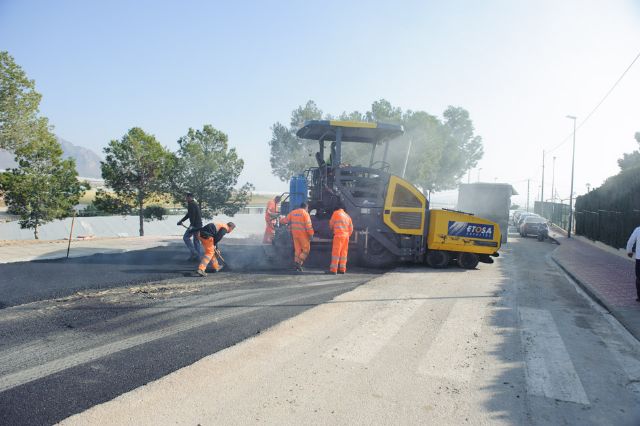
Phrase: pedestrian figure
(301, 231)
(342, 228)
(195, 222)
(632, 246)
(270, 216)
(210, 235)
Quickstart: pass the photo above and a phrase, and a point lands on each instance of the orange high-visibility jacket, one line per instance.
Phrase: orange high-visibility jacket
(272, 209)
(300, 222)
(341, 224)
(216, 230)
(221, 225)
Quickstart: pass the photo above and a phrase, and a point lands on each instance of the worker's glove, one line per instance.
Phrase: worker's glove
(630, 254)
(179, 222)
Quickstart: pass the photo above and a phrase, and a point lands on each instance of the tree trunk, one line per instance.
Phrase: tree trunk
(35, 228)
(141, 215)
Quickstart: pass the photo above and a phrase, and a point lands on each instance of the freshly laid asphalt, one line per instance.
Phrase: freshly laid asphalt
(60, 357)
(24, 282)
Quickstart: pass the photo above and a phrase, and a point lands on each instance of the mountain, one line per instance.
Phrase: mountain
(87, 161)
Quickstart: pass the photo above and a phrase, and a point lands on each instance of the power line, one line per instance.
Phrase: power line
(567, 138)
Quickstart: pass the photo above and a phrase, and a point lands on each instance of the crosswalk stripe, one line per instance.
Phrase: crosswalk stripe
(366, 340)
(453, 350)
(549, 371)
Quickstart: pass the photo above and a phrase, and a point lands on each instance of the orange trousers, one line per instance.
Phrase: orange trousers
(339, 252)
(301, 247)
(269, 232)
(209, 254)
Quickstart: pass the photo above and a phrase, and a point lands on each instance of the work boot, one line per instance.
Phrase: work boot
(330, 272)
(342, 272)
(202, 273)
(299, 267)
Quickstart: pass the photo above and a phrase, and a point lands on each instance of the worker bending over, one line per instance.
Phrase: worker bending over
(270, 216)
(210, 235)
(342, 228)
(301, 230)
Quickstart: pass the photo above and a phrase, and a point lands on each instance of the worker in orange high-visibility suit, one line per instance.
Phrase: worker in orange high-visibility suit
(301, 230)
(270, 216)
(342, 228)
(210, 235)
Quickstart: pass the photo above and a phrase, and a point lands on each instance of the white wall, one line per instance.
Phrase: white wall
(126, 226)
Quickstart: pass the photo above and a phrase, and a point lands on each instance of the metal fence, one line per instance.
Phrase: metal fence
(611, 227)
(557, 213)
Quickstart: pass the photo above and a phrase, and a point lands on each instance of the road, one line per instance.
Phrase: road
(59, 357)
(24, 282)
(510, 343)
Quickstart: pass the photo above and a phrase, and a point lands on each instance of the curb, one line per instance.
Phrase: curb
(592, 294)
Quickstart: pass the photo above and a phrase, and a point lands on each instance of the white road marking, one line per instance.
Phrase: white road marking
(453, 350)
(549, 371)
(367, 339)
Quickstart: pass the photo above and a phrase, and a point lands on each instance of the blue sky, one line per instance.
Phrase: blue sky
(518, 66)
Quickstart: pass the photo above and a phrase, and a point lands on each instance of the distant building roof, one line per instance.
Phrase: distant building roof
(487, 185)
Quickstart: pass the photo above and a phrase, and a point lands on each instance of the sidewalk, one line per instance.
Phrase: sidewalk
(606, 276)
(25, 251)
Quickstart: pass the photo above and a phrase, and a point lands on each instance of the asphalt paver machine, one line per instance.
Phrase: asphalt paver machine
(391, 217)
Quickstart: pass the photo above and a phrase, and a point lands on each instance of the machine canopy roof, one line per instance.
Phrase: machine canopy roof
(352, 131)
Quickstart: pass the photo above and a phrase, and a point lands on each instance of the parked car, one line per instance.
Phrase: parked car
(513, 215)
(521, 218)
(532, 225)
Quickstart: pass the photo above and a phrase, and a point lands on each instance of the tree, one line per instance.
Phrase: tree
(462, 150)
(289, 154)
(135, 168)
(18, 104)
(382, 111)
(208, 168)
(427, 142)
(631, 160)
(43, 187)
(441, 151)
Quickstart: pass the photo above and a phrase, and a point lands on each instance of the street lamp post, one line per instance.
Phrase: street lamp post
(479, 173)
(573, 158)
(553, 181)
(542, 192)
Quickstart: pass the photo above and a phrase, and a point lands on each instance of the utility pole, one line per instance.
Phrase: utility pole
(553, 181)
(573, 158)
(542, 190)
(528, 194)
(479, 173)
